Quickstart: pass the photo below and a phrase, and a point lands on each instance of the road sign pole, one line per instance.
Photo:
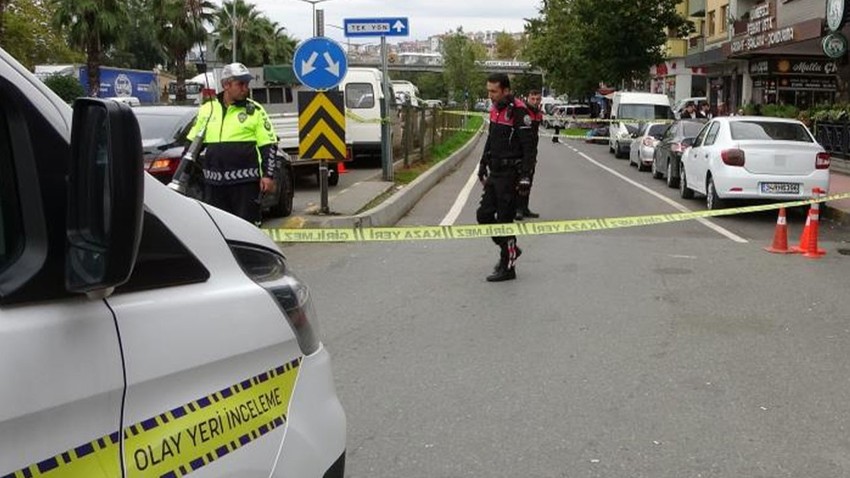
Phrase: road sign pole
(323, 185)
(386, 125)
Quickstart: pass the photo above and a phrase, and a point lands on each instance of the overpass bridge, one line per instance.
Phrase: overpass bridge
(489, 66)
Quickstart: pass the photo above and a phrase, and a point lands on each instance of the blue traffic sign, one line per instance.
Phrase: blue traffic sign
(377, 27)
(320, 63)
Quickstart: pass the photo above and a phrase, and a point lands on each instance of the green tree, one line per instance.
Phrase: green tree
(67, 87)
(93, 26)
(507, 47)
(29, 38)
(139, 46)
(276, 46)
(580, 43)
(464, 78)
(249, 38)
(181, 27)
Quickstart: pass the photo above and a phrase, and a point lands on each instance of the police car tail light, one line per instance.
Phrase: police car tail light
(268, 269)
(163, 165)
(822, 160)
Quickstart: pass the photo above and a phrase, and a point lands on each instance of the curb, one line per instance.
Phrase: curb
(396, 206)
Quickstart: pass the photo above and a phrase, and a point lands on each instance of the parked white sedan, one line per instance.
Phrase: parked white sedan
(753, 158)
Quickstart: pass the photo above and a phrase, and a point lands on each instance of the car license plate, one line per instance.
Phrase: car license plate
(780, 188)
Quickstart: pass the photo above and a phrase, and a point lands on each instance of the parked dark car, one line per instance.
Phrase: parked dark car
(164, 130)
(668, 152)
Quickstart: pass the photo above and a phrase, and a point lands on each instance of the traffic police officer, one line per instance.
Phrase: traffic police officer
(239, 164)
(533, 102)
(505, 168)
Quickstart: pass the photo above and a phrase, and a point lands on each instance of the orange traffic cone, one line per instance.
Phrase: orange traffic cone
(780, 235)
(804, 237)
(812, 251)
(340, 167)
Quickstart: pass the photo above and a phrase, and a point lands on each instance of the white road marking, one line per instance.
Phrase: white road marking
(705, 222)
(457, 207)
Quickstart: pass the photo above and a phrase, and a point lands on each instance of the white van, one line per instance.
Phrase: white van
(404, 91)
(363, 94)
(628, 110)
(143, 333)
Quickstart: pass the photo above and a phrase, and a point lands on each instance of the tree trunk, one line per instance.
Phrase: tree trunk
(93, 66)
(180, 90)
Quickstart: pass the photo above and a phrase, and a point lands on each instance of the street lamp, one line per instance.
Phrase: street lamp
(314, 2)
(232, 17)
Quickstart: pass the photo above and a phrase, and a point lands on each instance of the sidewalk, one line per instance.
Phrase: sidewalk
(390, 211)
(839, 182)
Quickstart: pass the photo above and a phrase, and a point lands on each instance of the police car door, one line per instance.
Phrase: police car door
(60, 369)
(211, 361)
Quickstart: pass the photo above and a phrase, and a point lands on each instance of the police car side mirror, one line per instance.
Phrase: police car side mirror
(105, 197)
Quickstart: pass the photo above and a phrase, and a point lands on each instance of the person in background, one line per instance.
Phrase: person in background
(533, 103)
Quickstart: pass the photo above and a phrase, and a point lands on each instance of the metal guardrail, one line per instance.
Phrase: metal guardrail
(835, 138)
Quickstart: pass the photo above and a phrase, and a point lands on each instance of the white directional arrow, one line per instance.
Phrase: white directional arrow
(307, 66)
(333, 66)
(399, 26)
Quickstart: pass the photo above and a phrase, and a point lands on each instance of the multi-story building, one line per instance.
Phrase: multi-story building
(673, 77)
(762, 52)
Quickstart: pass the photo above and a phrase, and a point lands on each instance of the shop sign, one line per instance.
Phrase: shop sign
(761, 30)
(793, 67)
(808, 83)
(834, 45)
(836, 13)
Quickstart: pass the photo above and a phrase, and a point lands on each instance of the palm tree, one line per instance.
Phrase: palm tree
(181, 27)
(249, 38)
(278, 46)
(93, 26)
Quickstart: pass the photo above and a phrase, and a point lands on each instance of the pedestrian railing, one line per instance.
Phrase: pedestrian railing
(834, 137)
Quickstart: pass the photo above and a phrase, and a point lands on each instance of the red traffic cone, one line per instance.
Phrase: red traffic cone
(780, 235)
(804, 237)
(812, 251)
(340, 167)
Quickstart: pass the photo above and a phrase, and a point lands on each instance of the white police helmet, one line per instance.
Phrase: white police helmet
(235, 71)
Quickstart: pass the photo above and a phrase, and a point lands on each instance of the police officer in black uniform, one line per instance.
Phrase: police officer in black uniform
(505, 168)
(241, 146)
(533, 103)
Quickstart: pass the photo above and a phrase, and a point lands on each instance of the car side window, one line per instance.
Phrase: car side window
(11, 227)
(711, 136)
(701, 136)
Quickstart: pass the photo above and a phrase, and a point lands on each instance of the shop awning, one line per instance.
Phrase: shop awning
(279, 75)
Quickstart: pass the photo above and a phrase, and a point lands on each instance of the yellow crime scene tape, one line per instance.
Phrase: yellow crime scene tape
(477, 231)
(184, 439)
(570, 120)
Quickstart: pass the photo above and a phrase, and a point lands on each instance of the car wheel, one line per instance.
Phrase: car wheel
(671, 182)
(712, 200)
(656, 174)
(684, 191)
(610, 148)
(639, 164)
(285, 191)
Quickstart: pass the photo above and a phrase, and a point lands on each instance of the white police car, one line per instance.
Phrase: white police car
(143, 334)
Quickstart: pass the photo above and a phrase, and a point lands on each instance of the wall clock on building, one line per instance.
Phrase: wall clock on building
(835, 13)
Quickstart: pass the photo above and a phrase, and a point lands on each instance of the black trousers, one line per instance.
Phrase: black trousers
(522, 201)
(498, 204)
(242, 200)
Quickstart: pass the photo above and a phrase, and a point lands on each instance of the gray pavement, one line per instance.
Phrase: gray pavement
(663, 351)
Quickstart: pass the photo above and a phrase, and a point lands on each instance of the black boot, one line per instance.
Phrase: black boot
(519, 215)
(499, 264)
(529, 213)
(505, 268)
(502, 274)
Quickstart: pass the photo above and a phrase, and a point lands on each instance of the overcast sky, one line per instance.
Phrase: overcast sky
(427, 17)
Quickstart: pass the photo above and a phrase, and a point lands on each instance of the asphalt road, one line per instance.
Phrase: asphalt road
(661, 351)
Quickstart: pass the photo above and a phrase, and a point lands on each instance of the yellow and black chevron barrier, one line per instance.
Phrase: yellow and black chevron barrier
(477, 231)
